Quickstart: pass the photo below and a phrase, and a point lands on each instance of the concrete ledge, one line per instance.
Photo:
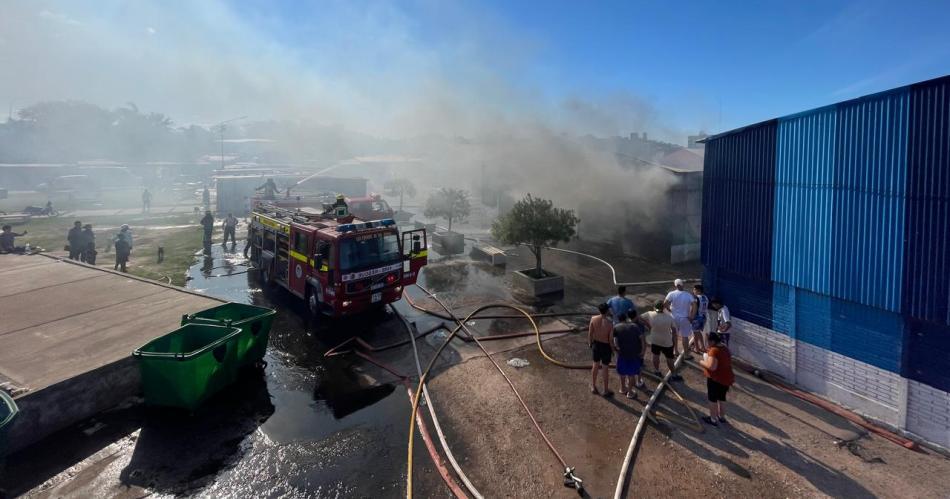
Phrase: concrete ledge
(537, 287)
(55, 407)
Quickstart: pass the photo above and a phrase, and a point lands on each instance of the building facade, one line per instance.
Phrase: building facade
(827, 233)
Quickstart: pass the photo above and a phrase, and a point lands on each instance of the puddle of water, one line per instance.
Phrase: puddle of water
(318, 402)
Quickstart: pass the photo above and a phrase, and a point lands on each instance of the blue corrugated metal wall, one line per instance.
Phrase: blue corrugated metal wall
(813, 318)
(804, 195)
(749, 299)
(859, 226)
(867, 254)
(871, 335)
(928, 354)
(738, 202)
(927, 260)
(927, 233)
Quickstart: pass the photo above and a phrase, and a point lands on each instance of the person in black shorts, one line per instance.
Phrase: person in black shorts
(661, 338)
(599, 336)
(717, 366)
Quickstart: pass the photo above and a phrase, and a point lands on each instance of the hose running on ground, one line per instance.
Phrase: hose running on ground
(435, 420)
(568, 470)
(694, 424)
(436, 459)
(628, 458)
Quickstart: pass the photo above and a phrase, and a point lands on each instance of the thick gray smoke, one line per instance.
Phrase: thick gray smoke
(361, 82)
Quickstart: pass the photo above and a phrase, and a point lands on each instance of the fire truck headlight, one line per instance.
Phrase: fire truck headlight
(346, 303)
(398, 289)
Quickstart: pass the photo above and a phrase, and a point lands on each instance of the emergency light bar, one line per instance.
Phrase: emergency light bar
(375, 224)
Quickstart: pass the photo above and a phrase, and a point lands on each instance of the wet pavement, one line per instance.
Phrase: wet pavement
(308, 425)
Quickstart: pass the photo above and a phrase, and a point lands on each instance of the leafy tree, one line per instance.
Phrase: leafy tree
(400, 187)
(535, 223)
(450, 204)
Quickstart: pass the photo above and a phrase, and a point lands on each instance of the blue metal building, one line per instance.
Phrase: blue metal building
(827, 233)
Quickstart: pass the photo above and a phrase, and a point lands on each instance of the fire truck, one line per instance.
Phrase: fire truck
(340, 265)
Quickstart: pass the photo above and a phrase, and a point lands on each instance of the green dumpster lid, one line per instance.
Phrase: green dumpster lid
(186, 355)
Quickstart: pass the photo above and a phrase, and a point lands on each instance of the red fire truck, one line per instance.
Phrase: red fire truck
(340, 265)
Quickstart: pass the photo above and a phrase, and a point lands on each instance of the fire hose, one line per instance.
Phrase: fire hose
(570, 479)
(634, 441)
(436, 459)
(694, 424)
(435, 420)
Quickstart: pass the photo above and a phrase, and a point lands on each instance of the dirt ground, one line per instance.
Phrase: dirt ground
(776, 446)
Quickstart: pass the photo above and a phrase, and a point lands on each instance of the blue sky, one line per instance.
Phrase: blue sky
(754, 60)
(604, 67)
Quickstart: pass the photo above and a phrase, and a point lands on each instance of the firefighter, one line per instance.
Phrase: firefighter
(208, 223)
(339, 206)
(229, 225)
(123, 248)
(88, 245)
(270, 189)
(74, 238)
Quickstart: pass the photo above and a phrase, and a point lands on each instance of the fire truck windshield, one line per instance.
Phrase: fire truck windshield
(368, 250)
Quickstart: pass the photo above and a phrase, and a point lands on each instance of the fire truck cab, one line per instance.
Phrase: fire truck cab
(340, 265)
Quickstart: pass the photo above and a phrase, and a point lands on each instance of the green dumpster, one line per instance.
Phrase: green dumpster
(254, 323)
(8, 412)
(185, 367)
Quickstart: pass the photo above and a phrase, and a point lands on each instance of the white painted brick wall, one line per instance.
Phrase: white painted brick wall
(928, 413)
(861, 387)
(763, 347)
(882, 395)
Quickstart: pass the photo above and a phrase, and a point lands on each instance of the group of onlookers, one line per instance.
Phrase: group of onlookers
(702, 326)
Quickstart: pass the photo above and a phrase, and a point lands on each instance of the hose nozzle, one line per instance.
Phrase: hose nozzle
(573, 481)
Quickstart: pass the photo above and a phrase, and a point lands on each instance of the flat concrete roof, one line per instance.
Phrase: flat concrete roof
(59, 320)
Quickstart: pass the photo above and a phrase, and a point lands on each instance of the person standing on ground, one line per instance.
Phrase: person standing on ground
(683, 307)
(229, 225)
(699, 320)
(630, 346)
(89, 245)
(123, 248)
(74, 238)
(146, 201)
(208, 223)
(7, 241)
(620, 304)
(661, 338)
(717, 366)
(598, 339)
(723, 323)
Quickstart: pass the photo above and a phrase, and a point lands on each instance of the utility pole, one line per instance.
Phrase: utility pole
(220, 127)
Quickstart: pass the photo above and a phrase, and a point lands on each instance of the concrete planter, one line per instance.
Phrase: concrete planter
(537, 287)
(449, 243)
